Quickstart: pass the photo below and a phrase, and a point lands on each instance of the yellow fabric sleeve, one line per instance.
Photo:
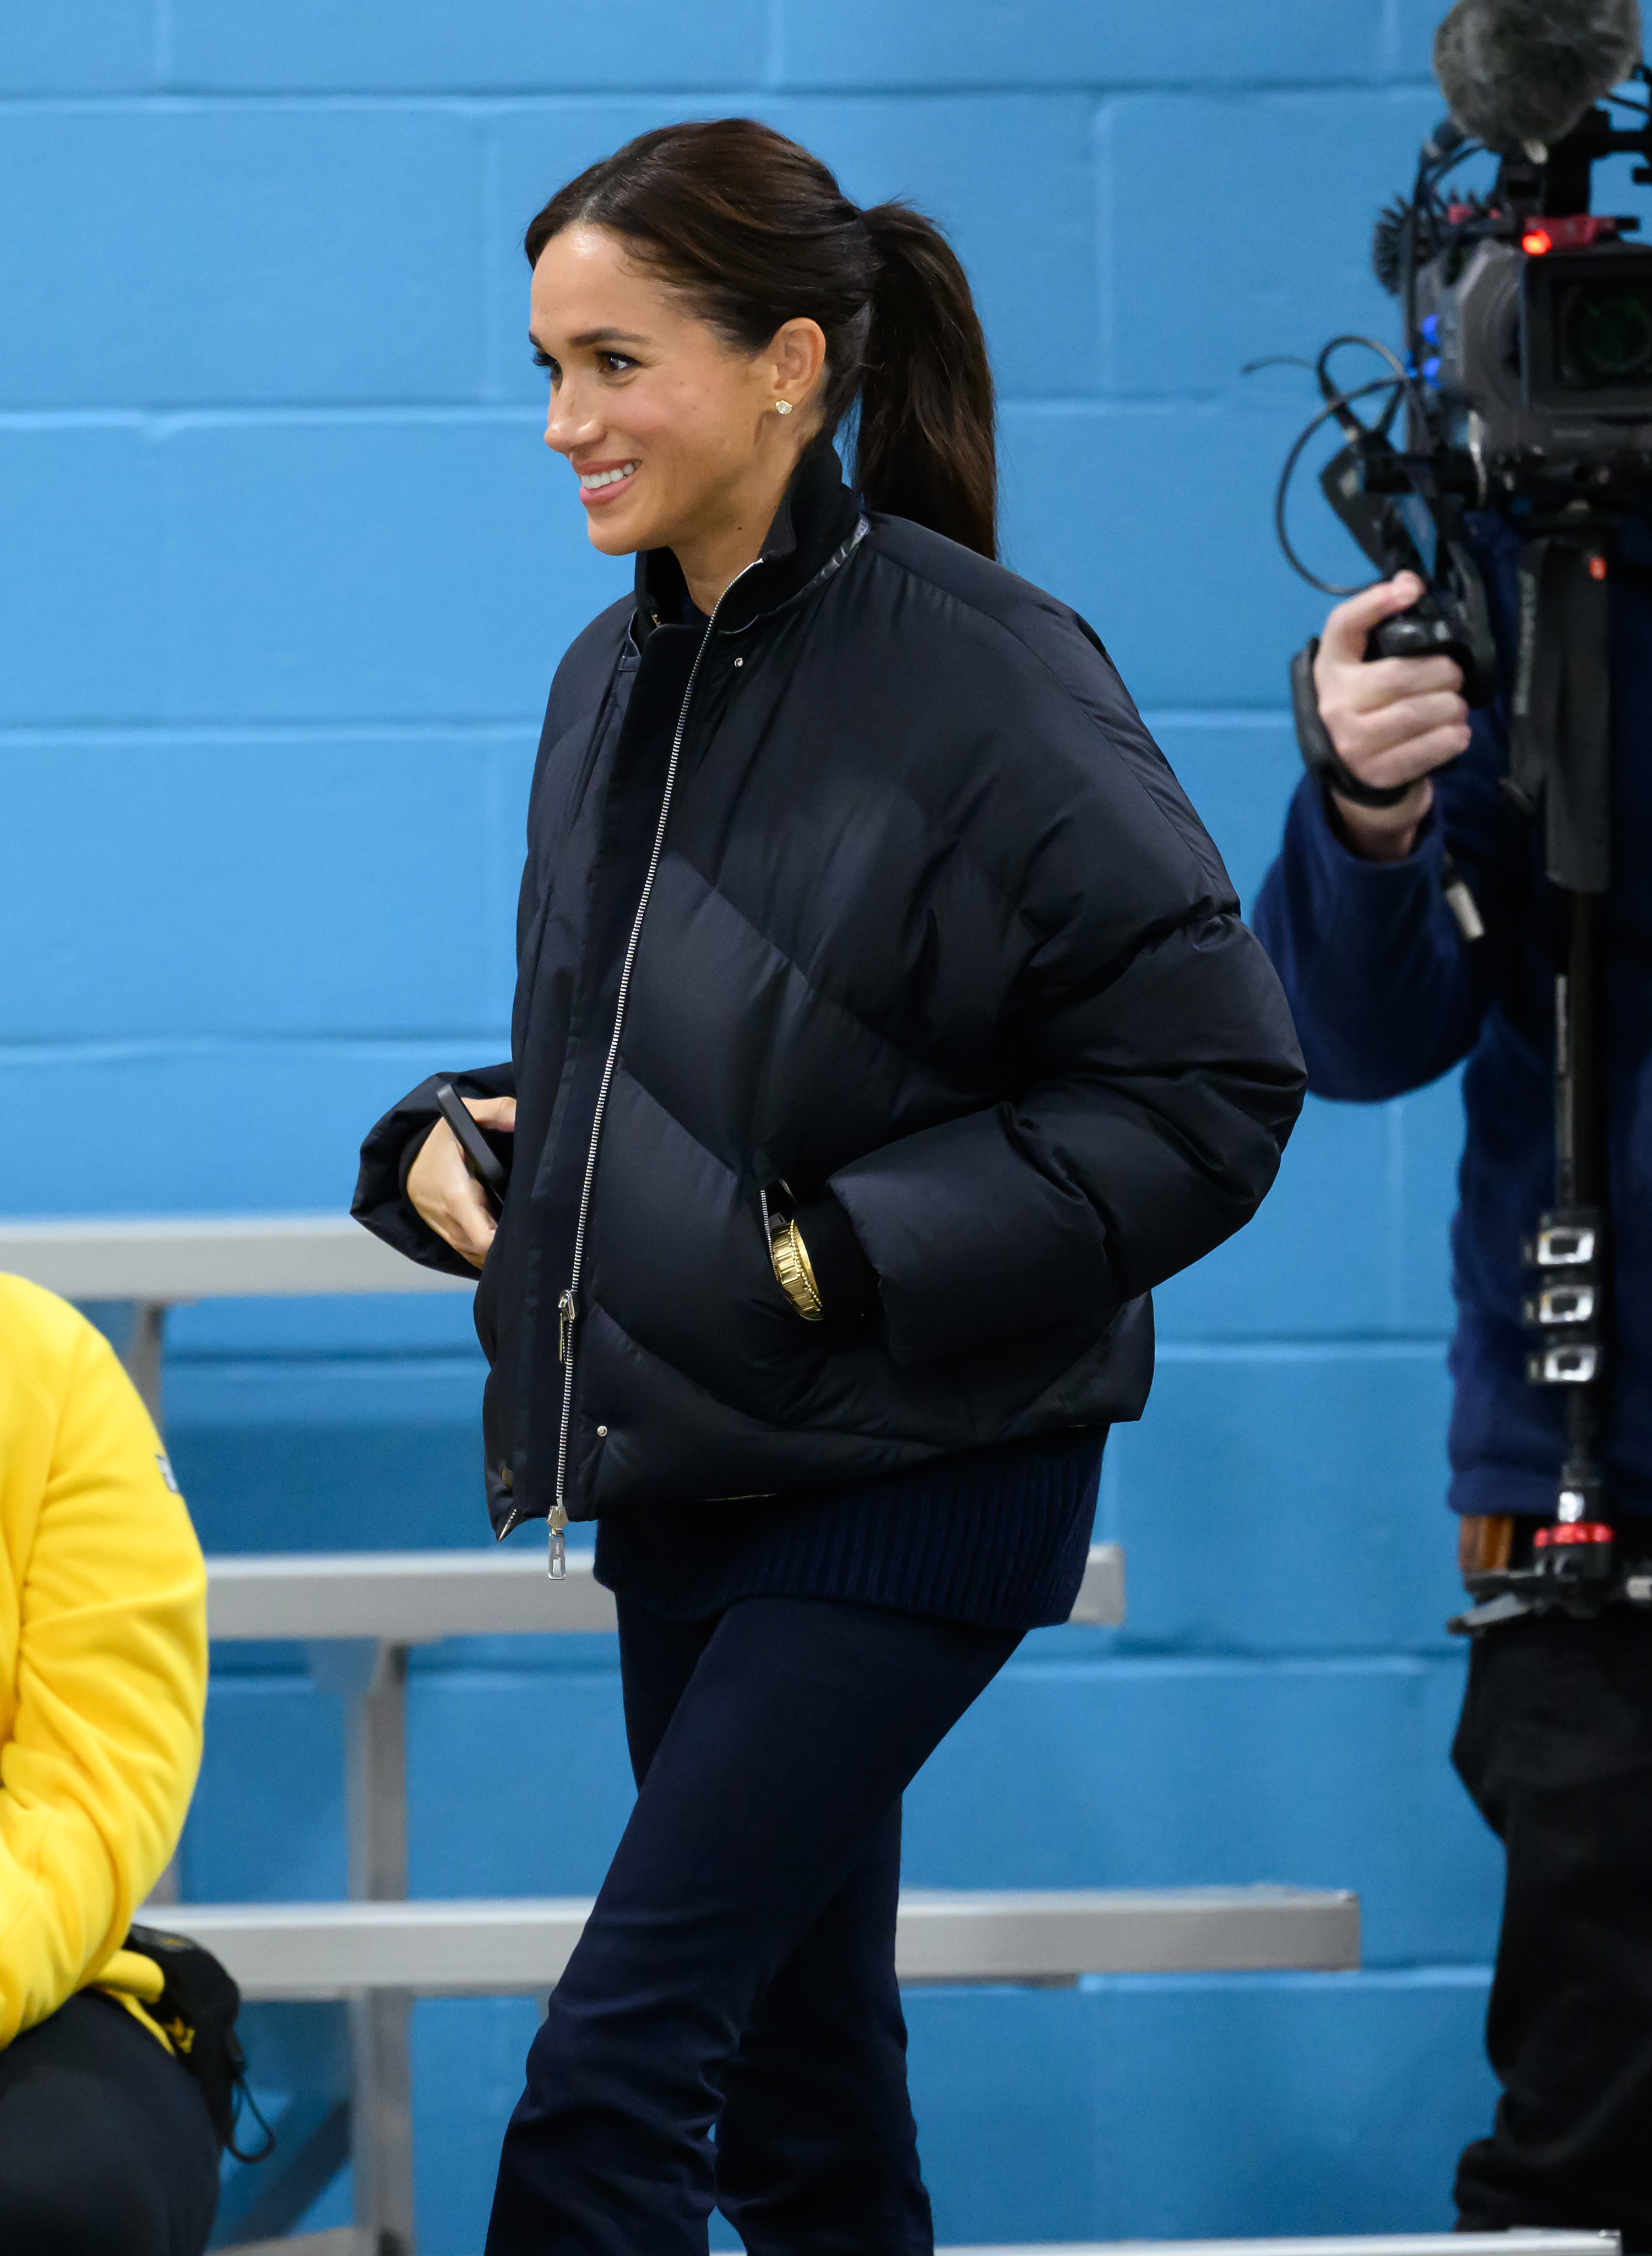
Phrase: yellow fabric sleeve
(103, 1655)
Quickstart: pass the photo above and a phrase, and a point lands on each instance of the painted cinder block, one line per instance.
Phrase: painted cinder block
(1155, 522)
(1409, 49)
(319, 1326)
(96, 46)
(1287, 1499)
(81, 632)
(468, 2056)
(210, 1128)
(356, 1455)
(1316, 1258)
(331, 882)
(1184, 2106)
(372, 567)
(544, 1747)
(236, 253)
(267, 1822)
(1240, 226)
(1064, 43)
(1031, 255)
(511, 47)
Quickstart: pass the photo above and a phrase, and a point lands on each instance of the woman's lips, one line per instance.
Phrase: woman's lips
(606, 483)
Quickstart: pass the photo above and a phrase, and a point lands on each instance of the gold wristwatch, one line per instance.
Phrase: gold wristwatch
(796, 1279)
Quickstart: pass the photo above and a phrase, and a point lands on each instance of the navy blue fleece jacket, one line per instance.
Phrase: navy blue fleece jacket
(1387, 996)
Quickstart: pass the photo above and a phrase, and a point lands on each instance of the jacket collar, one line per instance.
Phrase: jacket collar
(816, 515)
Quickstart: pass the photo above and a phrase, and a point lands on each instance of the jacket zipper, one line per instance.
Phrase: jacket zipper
(568, 1306)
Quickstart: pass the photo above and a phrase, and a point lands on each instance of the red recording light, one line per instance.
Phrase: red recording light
(1597, 568)
(1536, 240)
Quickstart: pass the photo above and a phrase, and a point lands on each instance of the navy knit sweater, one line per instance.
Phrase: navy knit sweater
(996, 1537)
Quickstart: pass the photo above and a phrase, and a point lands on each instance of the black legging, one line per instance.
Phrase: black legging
(106, 2147)
(737, 1970)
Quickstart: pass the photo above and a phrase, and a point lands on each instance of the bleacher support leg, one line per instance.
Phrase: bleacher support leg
(372, 1675)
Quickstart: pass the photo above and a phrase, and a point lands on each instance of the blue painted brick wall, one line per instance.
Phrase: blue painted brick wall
(285, 576)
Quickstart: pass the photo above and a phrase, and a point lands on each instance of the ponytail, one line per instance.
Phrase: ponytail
(758, 233)
(925, 447)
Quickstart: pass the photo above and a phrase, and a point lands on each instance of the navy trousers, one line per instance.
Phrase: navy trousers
(729, 2031)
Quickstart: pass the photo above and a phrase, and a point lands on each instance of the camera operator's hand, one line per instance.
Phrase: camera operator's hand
(1391, 720)
(442, 1190)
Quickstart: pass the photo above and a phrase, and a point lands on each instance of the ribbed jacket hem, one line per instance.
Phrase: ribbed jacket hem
(996, 1538)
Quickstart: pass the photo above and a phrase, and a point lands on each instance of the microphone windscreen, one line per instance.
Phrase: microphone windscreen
(1514, 71)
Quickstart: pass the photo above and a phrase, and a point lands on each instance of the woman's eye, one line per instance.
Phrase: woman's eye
(544, 360)
(617, 363)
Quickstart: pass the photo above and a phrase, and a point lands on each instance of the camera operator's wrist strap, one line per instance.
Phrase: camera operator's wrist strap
(1560, 725)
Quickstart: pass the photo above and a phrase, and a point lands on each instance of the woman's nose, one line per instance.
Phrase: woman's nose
(568, 422)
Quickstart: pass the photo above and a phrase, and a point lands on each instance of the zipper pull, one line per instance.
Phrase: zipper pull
(559, 1548)
(565, 1313)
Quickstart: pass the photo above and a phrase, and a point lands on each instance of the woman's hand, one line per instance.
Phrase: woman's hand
(1391, 720)
(442, 1190)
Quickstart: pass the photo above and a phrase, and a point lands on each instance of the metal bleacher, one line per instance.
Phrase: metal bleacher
(357, 1614)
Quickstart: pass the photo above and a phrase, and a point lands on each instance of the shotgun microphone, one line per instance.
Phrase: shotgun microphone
(1519, 75)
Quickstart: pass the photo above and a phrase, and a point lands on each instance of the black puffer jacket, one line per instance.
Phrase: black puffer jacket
(915, 914)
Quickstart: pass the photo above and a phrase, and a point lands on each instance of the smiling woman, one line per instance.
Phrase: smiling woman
(885, 1031)
(678, 438)
(692, 292)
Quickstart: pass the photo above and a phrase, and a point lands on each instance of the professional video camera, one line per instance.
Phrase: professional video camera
(1526, 384)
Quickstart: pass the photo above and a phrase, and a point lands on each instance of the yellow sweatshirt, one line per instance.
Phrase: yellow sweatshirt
(102, 1658)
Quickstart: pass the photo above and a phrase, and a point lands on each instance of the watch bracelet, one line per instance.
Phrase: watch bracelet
(788, 1257)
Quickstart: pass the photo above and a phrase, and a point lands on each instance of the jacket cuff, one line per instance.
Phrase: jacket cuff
(391, 1145)
(1321, 833)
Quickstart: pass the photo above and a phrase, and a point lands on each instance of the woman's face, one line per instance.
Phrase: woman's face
(671, 431)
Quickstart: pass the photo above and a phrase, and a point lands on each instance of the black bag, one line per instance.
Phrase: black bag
(197, 2009)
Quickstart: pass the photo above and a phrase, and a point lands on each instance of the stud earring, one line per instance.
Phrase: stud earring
(782, 407)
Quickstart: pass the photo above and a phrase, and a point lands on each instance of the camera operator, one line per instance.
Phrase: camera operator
(1555, 1742)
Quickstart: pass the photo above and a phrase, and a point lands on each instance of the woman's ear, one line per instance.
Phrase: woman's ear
(797, 357)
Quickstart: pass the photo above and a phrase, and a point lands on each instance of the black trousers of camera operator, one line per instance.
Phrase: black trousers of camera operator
(1554, 1745)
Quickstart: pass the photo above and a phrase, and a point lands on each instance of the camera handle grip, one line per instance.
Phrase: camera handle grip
(1320, 756)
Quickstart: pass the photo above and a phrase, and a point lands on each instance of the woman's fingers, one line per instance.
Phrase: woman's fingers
(492, 1112)
(441, 1189)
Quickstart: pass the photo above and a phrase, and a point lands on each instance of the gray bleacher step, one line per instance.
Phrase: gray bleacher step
(167, 1258)
(501, 1947)
(414, 1597)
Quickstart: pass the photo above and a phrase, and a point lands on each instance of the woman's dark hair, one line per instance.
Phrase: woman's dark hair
(757, 232)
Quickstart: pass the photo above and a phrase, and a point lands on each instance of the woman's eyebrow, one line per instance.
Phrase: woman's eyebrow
(588, 338)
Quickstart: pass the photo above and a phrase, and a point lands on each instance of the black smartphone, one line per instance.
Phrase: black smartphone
(480, 1157)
